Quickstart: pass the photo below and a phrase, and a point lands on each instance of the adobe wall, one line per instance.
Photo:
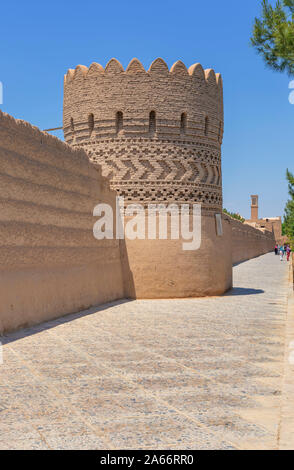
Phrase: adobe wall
(50, 263)
(162, 269)
(273, 224)
(249, 242)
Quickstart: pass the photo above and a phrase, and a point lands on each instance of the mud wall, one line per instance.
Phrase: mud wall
(50, 263)
(249, 242)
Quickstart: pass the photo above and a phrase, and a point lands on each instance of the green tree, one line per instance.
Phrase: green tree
(273, 35)
(289, 209)
(234, 215)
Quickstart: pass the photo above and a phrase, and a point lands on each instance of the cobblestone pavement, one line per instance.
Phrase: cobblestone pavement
(169, 374)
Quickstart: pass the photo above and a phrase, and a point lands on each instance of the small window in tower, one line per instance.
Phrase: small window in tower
(152, 122)
(91, 123)
(183, 123)
(72, 126)
(119, 121)
(206, 126)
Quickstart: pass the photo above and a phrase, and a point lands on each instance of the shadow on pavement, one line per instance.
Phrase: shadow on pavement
(243, 291)
(32, 330)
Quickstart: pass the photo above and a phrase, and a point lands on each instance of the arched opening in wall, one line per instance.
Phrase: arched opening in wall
(183, 123)
(206, 126)
(91, 123)
(152, 122)
(72, 126)
(119, 121)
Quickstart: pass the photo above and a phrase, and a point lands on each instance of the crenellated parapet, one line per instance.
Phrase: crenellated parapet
(136, 92)
(157, 133)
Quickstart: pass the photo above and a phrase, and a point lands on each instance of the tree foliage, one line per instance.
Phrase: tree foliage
(289, 209)
(273, 35)
(234, 215)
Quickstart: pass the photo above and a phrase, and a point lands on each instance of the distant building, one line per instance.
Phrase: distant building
(272, 224)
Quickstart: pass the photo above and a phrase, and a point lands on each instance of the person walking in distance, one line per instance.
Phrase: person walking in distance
(276, 249)
(282, 252)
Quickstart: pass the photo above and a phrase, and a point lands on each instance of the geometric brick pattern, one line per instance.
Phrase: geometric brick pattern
(163, 165)
(152, 170)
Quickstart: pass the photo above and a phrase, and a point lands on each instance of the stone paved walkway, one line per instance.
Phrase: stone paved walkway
(170, 374)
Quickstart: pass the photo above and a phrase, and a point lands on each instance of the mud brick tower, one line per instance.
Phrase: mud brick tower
(254, 207)
(157, 135)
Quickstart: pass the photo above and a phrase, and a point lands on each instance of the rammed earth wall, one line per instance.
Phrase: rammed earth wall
(157, 135)
(50, 263)
(249, 242)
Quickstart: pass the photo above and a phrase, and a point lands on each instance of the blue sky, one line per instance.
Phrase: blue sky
(39, 41)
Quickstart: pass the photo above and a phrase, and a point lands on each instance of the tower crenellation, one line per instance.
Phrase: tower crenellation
(157, 133)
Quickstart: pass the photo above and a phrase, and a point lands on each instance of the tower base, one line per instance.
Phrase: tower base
(155, 269)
